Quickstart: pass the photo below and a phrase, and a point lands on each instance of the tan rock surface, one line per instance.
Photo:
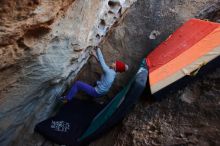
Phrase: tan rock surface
(43, 46)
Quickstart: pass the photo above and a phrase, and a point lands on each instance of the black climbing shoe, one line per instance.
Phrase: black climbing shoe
(62, 99)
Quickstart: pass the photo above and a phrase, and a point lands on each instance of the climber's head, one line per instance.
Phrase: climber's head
(119, 66)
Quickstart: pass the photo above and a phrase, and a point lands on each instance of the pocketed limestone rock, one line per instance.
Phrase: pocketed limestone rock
(43, 46)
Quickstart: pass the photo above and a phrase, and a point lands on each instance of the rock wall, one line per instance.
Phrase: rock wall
(43, 46)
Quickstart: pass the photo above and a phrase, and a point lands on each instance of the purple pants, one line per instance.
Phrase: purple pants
(81, 86)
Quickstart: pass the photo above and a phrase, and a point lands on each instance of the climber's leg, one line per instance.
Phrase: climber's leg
(81, 86)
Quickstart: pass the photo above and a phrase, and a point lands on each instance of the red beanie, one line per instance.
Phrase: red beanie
(120, 66)
(148, 62)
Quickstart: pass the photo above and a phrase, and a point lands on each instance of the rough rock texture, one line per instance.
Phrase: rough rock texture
(188, 117)
(43, 46)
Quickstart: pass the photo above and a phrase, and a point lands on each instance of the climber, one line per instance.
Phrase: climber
(102, 86)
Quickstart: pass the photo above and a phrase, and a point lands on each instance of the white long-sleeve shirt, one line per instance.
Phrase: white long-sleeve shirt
(107, 77)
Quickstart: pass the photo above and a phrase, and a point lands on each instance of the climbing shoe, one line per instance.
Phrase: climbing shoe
(62, 99)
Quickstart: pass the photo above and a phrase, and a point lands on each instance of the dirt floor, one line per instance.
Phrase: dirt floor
(188, 117)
